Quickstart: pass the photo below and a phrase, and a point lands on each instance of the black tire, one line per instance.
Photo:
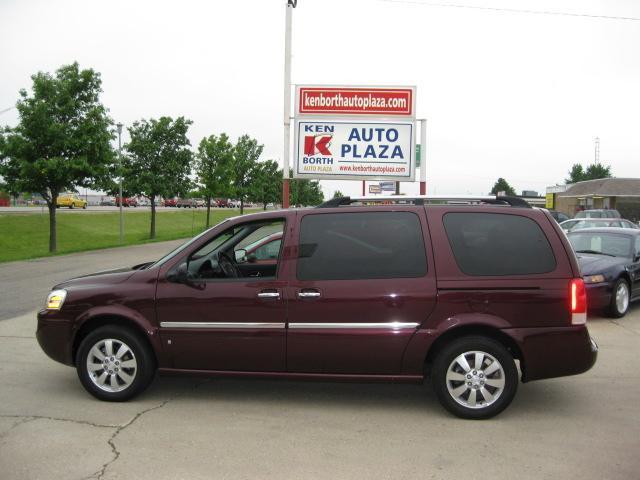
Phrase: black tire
(84, 207)
(140, 351)
(613, 310)
(71, 206)
(508, 373)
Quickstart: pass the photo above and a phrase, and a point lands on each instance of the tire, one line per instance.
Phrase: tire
(84, 207)
(131, 379)
(71, 206)
(451, 379)
(620, 299)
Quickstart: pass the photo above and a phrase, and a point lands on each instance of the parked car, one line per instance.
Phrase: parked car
(609, 259)
(222, 203)
(558, 216)
(170, 202)
(127, 202)
(70, 200)
(143, 202)
(108, 202)
(186, 203)
(580, 223)
(200, 202)
(264, 250)
(399, 292)
(598, 213)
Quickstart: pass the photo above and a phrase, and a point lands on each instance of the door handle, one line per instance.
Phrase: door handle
(308, 294)
(268, 295)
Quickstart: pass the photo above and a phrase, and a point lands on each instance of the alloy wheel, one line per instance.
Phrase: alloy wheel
(475, 379)
(111, 365)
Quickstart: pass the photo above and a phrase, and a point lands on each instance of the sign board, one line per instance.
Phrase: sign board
(352, 150)
(368, 101)
(375, 189)
(388, 186)
(550, 200)
(418, 155)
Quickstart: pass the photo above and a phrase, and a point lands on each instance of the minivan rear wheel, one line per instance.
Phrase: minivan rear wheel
(114, 363)
(475, 377)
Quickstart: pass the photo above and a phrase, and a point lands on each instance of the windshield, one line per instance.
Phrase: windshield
(613, 244)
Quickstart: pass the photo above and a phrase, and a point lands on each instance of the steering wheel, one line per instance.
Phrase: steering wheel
(227, 266)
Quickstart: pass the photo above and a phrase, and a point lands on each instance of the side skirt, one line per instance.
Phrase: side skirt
(295, 376)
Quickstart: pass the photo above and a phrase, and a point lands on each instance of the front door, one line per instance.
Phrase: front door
(228, 315)
(359, 291)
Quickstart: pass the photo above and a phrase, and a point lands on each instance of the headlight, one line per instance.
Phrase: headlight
(594, 279)
(55, 299)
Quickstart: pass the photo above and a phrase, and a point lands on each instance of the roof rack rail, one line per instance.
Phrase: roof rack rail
(422, 199)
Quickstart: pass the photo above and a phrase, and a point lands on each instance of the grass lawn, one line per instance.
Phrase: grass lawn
(24, 236)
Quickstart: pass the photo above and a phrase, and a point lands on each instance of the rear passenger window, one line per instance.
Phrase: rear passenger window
(350, 246)
(493, 244)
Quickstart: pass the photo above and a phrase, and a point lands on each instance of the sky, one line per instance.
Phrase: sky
(506, 94)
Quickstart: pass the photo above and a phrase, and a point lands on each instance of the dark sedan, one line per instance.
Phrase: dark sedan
(610, 264)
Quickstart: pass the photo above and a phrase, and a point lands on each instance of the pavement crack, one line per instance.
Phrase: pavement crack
(116, 453)
(56, 419)
(617, 323)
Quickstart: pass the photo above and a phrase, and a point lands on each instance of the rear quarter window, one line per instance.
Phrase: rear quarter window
(493, 244)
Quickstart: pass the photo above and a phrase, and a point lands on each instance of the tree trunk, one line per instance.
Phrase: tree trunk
(241, 205)
(208, 210)
(152, 235)
(53, 237)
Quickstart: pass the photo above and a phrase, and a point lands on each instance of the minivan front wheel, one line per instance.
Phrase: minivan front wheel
(475, 377)
(114, 364)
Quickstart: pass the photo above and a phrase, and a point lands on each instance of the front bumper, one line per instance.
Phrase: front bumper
(54, 334)
(554, 352)
(598, 295)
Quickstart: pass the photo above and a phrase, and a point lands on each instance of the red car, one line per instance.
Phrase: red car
(126, 202)
(401, 292)
(170, 202)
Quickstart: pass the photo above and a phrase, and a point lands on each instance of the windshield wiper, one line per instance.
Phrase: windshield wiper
(595, 251)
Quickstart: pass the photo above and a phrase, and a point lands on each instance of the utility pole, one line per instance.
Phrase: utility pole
(423, 156)
(119, 127)
(597, 150)
(291, 4)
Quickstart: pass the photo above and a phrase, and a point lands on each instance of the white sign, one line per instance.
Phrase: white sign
(354, 150)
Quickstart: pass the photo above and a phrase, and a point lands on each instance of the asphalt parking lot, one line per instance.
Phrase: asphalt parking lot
(585, 427)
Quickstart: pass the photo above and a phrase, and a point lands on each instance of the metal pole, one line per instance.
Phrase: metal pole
(119, 126)
(423, 156)
(291, 4)
(363, 188)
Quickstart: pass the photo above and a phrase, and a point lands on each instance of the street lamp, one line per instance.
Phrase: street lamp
(119, 127)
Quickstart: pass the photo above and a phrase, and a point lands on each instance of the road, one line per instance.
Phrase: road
(25, 284)
(582, 427)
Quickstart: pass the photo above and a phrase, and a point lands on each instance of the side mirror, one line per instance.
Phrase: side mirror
(241, 255)
(181, 274)
(252, 258)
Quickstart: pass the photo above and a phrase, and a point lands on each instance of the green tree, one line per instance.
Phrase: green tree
(213, 167)
(593, 172)
(158, 161)
(245, 157)
(266, 183)
(304, 193)
(502, 185)
(338, 194)
(62, 141)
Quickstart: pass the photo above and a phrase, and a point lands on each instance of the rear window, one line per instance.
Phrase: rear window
(492, 244)
(352, 246)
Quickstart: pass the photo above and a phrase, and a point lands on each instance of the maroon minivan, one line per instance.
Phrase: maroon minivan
(471, 296)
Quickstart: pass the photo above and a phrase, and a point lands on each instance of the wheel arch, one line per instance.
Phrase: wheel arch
(467, 330)
(102, 320)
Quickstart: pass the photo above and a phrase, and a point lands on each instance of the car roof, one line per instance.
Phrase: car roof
(618, 230)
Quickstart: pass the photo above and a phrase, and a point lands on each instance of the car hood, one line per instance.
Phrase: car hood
(104, 277)
(591, 264)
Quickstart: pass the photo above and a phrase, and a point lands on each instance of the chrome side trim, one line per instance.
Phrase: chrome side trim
(214, 325)
(336, 325)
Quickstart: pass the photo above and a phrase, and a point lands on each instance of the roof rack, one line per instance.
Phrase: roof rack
(423, 199)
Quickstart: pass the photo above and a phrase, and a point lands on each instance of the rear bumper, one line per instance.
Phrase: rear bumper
(554, 352)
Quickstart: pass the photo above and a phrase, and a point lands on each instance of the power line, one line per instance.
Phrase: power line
(6, 110)
(513, 10)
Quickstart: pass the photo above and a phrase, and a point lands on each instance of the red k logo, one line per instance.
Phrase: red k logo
(314, 144)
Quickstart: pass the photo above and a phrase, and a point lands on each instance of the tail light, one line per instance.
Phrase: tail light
(577, 301)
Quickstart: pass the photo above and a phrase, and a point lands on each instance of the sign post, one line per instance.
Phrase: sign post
(291, 4)
(423, 156)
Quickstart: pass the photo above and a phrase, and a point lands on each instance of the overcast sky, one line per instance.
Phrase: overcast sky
(513, 95)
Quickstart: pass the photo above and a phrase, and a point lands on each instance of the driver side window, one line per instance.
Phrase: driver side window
(248, 250)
